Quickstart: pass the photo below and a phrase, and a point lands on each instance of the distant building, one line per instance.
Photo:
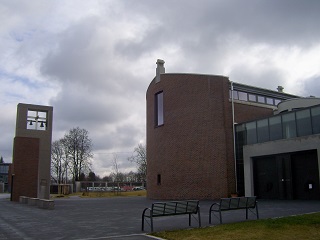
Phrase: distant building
(194, 124)
(4, 175)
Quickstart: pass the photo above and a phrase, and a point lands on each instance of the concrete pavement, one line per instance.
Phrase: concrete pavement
(116, 218)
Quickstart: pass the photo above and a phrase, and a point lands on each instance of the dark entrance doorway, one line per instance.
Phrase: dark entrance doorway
(287, 176)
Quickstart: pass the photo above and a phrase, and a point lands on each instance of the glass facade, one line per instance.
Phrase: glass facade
(287, 125)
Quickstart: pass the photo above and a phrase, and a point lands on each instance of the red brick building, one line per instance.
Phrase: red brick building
(190, 133)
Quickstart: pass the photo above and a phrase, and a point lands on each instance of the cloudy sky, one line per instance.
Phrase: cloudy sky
(93, 60)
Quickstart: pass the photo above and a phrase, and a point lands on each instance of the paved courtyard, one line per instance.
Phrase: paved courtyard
(115, 218)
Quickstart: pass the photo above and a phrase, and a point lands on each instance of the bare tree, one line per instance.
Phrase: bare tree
(131, 177)
(115, 167)
(91, 177)
(78, 148)
(139, 157)
(58, 161)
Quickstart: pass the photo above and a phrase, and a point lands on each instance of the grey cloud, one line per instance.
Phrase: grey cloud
(273, 22)
(78, 105)
(312, 86)
(118, 137)
(72, 59)
(269, 77)
(81, 58)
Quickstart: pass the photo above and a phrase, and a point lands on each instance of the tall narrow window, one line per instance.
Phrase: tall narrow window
(159, 179)
(159, 109)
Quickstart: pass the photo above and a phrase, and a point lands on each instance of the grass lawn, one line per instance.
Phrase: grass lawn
(288, 228)
(141, 193)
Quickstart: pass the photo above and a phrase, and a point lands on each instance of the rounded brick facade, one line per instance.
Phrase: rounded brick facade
(190, 156)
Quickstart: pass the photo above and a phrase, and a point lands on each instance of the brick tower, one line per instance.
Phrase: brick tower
(32, 152)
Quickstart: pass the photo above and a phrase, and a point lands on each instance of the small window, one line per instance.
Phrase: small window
(252, 97)
(159, 179)
(159, 109)
(243, 96)
(261, 99)
(235, 94)
(277, 101)
(270, 101)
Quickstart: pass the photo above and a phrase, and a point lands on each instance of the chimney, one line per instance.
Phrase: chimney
(160, 69)
(280, 89)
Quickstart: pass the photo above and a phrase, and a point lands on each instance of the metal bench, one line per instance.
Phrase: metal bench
(227, 204)
(161, 209)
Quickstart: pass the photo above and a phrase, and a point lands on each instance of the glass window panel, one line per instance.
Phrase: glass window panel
(42, 115)
(261, 99)
(252, 97)
(243, 96)
(235, 94)
(240, 133)
(277, 101)
(32, 113)
(159, 109)
(275, 128)
(304, 122)
(315, 113)
(251, 132)
(262, 130)
(159, 179)
(269, 101)
(289, 125)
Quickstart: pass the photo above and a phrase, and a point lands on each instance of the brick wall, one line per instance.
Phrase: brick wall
(25, 167)
(245, 112)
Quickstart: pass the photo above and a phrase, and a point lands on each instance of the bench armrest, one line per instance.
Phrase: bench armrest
(144, 212)
(214, 205)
